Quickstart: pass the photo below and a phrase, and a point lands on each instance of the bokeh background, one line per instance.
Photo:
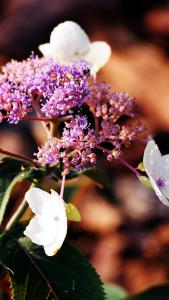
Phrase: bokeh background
(125, 229)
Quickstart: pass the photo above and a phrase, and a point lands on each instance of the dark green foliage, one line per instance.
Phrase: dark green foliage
(98, 175)
(10, 174)
(35, 276)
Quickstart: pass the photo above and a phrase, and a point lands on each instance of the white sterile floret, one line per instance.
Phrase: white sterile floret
(68, 40)
(48, 227)
(157, 169)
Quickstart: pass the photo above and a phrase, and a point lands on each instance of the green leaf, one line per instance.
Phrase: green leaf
(155, 293)
(10, 175)
(114, 292)
(10, 165)
(97, 175)
(35, 276)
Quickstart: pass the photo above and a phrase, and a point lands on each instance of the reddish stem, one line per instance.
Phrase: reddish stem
(122, 160)
(66, 118)
(33, 118)
(22, 157)
(36, 107)
(125, 163)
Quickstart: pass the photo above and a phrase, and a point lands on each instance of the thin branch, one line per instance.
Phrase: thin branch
(125, 163)
(17, 215)
(62, 186)
(104, 149)
(34, 118)
(46, 119)
(66, 118)
(53, 128)
(21, 157)
(122, 160)
(38, 112)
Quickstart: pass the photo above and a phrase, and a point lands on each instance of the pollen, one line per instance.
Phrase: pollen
(69, 75)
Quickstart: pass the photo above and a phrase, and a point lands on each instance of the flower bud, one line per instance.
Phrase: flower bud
(145, 182)
(141, 167)
(72, 212)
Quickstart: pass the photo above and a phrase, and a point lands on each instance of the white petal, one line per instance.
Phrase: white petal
(58, 203)
(55, 245)
(165, 191)
(52, 247)
(164, 173)
(164, 166)
(46, 50)
(158, 192)
(68, 40)
(151, 158)
(98, 55)
(38, 200)
(41, 230)
(49, 226)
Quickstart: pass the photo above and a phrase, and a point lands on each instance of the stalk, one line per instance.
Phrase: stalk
(21, 157)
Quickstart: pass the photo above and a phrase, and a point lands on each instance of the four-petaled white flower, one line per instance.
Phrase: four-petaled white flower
(69, 40)
(157, 169)
(48, 227)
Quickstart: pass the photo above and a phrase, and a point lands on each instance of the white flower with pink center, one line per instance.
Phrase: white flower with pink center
(48, 227)
(157, 169)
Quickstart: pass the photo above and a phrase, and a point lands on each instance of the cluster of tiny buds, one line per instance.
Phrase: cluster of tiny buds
(57, 88)
(98, 119)
(83, 136)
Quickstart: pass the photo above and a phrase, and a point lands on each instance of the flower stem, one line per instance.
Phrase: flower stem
(53, 128)
(125, 163)
(22, 206)
(104, 149)
(34, 118)
(21, 157)
(122, 160)
(62, 186)
(38, 112)
(17, 215)
(66, 118)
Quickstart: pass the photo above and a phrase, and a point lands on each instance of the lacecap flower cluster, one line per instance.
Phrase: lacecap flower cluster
(94, 114)
(82, 117)
(36, 81)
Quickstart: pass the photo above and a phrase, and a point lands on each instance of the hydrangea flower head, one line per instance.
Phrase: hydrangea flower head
(75, 148)
(68, 40)
(82, 136)
(48, 227)
(157, 169)
(56, 88)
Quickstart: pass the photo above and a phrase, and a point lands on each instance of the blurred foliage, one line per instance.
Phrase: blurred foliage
(155, 293)
(114, 292)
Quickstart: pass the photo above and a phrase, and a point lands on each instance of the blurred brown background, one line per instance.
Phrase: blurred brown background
(124, 229)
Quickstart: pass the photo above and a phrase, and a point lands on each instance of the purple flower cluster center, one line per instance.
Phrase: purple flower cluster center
(90, 116)
(57, 88)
